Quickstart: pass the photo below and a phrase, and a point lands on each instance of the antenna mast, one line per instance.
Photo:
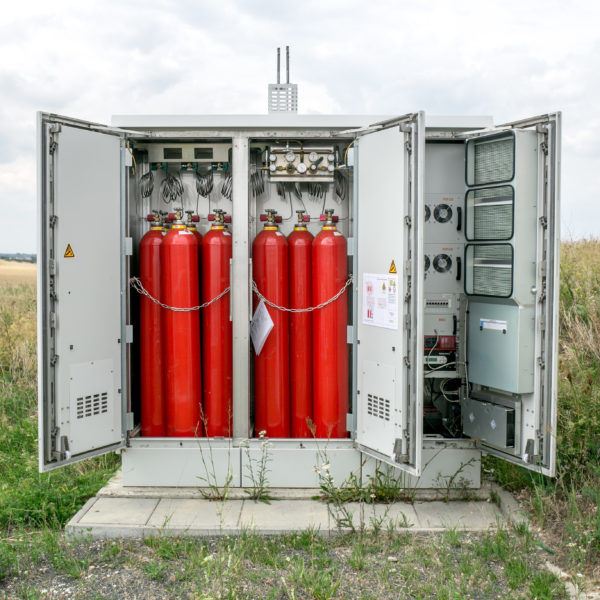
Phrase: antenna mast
(283, 97)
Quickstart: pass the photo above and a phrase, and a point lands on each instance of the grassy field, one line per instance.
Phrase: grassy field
(15, 273)
(565, 511)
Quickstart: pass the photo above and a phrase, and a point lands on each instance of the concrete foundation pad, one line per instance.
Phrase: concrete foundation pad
(196, 515)
(119, 511)
(469, 516)
(281, 516)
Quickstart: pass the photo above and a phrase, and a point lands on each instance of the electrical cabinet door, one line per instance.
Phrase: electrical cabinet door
(511, 284)
(81, 290)
(388, 263)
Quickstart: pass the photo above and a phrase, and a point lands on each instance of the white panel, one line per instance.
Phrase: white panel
(199, 466)
(83, 192)
(384, 355)
(535, 241)
(378, 422)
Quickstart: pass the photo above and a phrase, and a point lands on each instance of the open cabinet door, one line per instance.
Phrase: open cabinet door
(389, 267)
(81, 290)
(511, 285)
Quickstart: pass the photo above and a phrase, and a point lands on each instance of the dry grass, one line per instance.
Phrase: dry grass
(15, 273)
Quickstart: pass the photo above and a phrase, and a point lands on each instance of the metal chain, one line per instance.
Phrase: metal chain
(302, 310)
(137, 285)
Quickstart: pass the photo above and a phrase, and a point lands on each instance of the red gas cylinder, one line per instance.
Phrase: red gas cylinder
(192, 221)
(217, 375)
(151, 360)
(271, 366)
(330, 350)
(181, 330)
(300, 251)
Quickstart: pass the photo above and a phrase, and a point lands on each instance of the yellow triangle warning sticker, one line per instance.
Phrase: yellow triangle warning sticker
(393, 267)
(69, 252)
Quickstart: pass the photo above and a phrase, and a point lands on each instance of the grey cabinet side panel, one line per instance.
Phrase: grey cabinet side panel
(382, 207)
(86, 322)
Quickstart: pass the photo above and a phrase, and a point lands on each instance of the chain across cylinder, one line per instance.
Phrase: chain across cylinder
(137, 285)
(303, 310)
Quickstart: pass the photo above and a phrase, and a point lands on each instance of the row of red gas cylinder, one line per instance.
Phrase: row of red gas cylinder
(186, 378)
(301, 373)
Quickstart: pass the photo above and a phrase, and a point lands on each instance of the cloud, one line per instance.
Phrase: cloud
(94, 59)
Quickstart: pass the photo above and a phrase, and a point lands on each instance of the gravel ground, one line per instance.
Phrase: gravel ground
(399, 565)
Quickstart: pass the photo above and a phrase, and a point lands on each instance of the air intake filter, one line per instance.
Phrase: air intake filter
(491, 160)
(489, 270)
(490, 213)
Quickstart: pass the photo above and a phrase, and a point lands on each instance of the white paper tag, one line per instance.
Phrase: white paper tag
(260, 326)
(380, 300)
(493, 324)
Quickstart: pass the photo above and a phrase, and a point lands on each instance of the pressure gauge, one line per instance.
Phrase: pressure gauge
(272, 157)
(290, 156)
(330, 168)
(313, 167)
(313, 156)
(301, 168)
(272, 167)
(330, 158)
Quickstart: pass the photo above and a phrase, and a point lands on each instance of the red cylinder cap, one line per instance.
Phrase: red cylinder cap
(150, 218)
(263, 217)
(228, 219)
(334, 218)
(170, 217)
(195, 219)
(278, 219)
(211, 217)
(306, 218)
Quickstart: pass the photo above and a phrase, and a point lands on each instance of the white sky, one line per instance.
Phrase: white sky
(89, 60)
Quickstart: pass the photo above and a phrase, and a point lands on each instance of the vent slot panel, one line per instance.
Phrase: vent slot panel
(490, 161)
(489, 270)
(490, 213)
(92, 405)
(378, 407)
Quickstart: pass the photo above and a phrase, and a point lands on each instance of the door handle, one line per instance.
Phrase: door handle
(458, 268)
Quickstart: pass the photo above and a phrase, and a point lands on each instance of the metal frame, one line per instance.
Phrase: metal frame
(241, 130)
(52, 456)
(543, 459)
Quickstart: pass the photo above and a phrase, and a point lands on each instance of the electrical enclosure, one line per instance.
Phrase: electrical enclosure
(452, 229)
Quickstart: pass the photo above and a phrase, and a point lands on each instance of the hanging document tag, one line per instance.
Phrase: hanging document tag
(260, 326)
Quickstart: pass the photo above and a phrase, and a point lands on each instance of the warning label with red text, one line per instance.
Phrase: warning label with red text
(380, 300)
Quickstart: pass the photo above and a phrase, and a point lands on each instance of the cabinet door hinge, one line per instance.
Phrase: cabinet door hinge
(398, 456)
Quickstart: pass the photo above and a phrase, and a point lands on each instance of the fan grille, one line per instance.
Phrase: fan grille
(491, 270)
(493, 160)
(490, 213)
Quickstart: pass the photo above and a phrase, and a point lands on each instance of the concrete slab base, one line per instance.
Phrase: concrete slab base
(176, 512)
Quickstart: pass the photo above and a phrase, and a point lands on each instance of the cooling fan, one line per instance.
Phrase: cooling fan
(442, 213)
(442, 263)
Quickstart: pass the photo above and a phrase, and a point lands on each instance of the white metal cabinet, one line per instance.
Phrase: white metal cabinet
(389, 270)
(80, 290)
(82, 201)
(536, 298)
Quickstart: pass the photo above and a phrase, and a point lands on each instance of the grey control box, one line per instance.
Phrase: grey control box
(489, 422)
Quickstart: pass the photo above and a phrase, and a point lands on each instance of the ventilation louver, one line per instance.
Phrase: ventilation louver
(490, 213)
(489, 270)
